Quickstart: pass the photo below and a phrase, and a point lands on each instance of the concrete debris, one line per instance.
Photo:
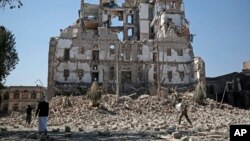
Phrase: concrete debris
(32, 136)
(176, 135)
(133, 118)
(67, 129)
(186, 138)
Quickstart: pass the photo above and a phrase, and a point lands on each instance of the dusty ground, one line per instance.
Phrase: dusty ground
(145, 118)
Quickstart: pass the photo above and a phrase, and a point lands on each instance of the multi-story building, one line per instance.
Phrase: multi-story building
(17, 98)
(141, 41)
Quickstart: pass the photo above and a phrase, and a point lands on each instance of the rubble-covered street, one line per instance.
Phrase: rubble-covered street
(145, 118)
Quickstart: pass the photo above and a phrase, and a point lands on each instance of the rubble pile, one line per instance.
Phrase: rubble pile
(144, 114)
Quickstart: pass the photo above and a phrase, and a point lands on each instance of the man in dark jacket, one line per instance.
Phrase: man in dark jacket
(29, 114)
(43, 110)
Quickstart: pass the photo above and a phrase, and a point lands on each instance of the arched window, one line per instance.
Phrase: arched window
(130, 19)
(130, 32)
(25, 94)
(33, 95)
(15, 107)
(16, 94)
(6, 96)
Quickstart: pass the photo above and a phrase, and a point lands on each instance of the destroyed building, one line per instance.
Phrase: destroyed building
(138, 42)
(232, 88)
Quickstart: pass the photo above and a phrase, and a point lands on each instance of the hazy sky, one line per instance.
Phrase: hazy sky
(222, 29)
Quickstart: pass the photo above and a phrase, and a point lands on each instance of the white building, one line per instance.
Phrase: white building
(156, 45)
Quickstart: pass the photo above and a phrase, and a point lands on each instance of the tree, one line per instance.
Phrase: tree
(8, 54)
(200, 94)
(11, 3)
(94, 94)
(66, 100)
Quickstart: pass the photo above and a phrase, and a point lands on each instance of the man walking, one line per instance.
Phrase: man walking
(42, 112)
(183, 109)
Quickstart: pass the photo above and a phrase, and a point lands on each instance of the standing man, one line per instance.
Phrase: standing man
(29, 114)
(43, 110)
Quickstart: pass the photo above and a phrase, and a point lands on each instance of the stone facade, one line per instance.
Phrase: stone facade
(155, 45)
(246, 67)
(17, 98)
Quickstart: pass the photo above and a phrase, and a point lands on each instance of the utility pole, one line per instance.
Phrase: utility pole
(158, 69)
(117, 73)
(162, 67)
(226, 89)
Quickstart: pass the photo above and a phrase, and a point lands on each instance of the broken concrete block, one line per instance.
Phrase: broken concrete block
(67, 129)
(186, 138)
(32, 136)
(16, 127)
(56, 130)
(80, 129)
(157, 129)
(4, 129)
(176, 135)
(143, 96)
(194, 139)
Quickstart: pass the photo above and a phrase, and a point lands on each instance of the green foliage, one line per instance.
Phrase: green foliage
(200, 94)
(8, 55)
(1, 86)
(12, 3)
(66, 100)
(94, 94)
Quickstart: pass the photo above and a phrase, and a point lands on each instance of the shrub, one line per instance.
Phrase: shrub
(200, 94)
(94, 94)
(66, 100)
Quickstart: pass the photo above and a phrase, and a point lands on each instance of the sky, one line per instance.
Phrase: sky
(222, 29)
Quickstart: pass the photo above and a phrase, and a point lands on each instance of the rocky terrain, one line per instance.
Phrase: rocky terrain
(144, 118)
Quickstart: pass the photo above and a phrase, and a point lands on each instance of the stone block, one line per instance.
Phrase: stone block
(176, 135)
(186, 138)
(67, 129)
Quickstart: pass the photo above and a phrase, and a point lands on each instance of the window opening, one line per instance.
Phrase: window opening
(66, 54)
(80, 73)
(170, 76)
(181, 75)
(66, 74)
